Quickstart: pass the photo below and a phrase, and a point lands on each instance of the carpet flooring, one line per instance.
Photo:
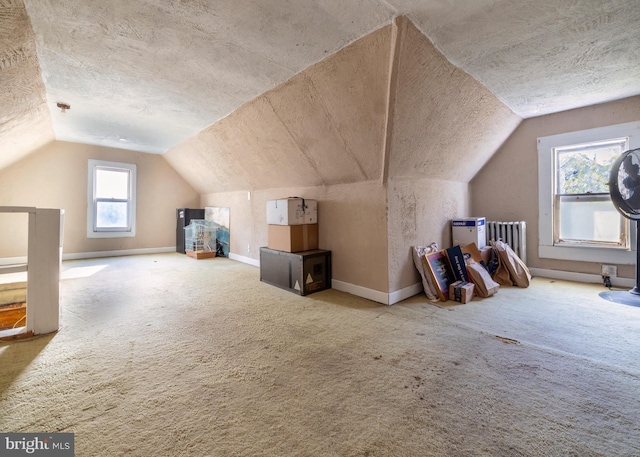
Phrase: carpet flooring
(165, 355)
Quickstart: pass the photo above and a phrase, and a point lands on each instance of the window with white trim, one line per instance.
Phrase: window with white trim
(577, 220)
(583, 211)
(111, 199)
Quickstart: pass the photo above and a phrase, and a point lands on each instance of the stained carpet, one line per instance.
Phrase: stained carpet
(165, 355)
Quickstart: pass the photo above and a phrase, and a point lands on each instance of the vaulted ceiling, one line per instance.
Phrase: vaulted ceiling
(146, 75)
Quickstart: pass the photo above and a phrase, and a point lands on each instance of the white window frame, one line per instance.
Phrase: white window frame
(583, 252)
(94, 165)
(623, 242)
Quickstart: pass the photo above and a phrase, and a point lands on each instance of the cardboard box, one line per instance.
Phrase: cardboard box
(461, 291)
(292, 211)
(471, 250)
(457, 263)
(469, 230)
(293, 238)
(482, 256)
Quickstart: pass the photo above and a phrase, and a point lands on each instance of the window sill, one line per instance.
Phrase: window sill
(588, 254)
(93, 234)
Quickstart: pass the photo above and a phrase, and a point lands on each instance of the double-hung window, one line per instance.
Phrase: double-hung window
(577, 220)
(111, 199)
(583, 211)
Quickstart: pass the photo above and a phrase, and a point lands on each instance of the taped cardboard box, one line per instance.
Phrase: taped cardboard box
(293, 238)
(292, 211)
(461, 291)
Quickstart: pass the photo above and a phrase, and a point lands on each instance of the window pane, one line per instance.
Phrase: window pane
(112, 183)
(111, 214)
(592, 221)
(586, 170)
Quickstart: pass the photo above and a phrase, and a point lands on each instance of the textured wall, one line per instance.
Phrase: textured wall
(445, 127)
(507, 187)
(419, 214)
(324, 126)
(446, 124)
(56, 177)
(320, 135)
(325, 129)
(351, 222)
(25, 123)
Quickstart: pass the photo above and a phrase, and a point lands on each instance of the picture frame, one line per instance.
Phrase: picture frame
(220, 217)
(437, 264)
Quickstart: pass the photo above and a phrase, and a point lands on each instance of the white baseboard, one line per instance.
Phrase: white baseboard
(581, 277)
(243, 259)
(118, 253)
(369, 294)
(403, 294)
(93, 255)
(13, 260)
(375, 295)
(364, 292)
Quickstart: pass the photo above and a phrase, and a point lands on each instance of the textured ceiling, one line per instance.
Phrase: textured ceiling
(147, 74)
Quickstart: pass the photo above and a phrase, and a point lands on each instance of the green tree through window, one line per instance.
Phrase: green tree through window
(585, 172)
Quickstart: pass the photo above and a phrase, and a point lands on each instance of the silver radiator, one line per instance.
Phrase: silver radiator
(512, 233)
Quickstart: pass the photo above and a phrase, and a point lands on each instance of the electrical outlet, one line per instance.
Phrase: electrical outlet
(609, 270)
(248, 248)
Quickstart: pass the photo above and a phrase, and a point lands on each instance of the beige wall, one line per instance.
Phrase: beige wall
(419, 214)
(507, 187)
(320, 136)
(386, 135)
(445, 126)
(351, 222)
(55, 176)
(322, 127)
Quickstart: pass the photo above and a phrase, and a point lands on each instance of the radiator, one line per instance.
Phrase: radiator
(512, 233)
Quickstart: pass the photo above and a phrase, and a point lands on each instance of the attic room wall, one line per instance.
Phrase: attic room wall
(55, 176)
(445, 127)
(507, 187)
(351, 222)
(319, 135)
(322, 127)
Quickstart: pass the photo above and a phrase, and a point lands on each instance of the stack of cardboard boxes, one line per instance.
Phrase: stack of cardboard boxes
(292, 260)
(293, 224)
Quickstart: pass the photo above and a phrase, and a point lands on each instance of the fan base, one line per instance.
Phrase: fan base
(623, 297)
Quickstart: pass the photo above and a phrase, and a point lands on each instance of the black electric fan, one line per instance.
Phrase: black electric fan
(624, 188)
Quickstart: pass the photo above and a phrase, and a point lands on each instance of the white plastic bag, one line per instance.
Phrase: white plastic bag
(427, 283)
